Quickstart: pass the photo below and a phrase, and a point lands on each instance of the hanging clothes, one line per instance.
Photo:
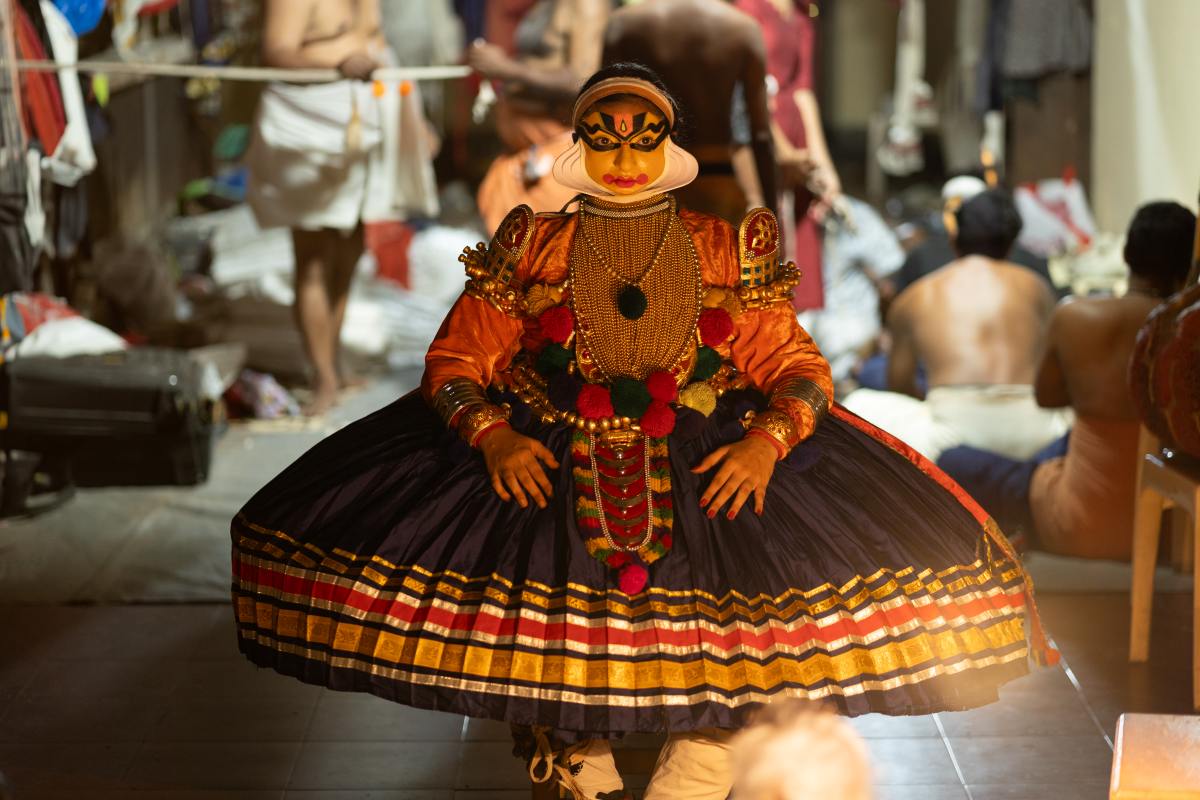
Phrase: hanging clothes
(74, 157)
(42, 103)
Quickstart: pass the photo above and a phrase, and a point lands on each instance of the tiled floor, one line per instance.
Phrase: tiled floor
(152, 701)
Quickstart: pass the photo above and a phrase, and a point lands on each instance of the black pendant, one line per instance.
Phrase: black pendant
(631, 302)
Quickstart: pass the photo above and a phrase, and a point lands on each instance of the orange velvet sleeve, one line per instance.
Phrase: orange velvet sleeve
(769, 346)
(476, 340)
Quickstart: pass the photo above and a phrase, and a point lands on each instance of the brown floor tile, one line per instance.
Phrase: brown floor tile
(361, 717)
(218, 642)
(232, 719)
(492, 794)
(490, 765)
(911, 761)
(372, 794)
(99, 719)
(487, 730)
(949, 792)
(84, 679)
(881, 726)
(156, 794)
(146, 633)
(1069, 791)
(375, 765)
(1055, 715)
(1032, 759)
(213, 765)
(76, 767)
(240, 679)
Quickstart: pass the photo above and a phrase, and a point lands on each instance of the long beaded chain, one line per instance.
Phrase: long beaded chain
(604, 262)
(600, 502)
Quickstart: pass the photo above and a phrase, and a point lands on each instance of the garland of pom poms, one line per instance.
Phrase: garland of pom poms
(626, 520)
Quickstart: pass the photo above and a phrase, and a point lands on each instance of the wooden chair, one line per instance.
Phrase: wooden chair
(1154, 756)
(1161, 484)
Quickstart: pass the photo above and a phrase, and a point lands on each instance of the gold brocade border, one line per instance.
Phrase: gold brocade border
(927, 578)
(352, 641)
(500, 607)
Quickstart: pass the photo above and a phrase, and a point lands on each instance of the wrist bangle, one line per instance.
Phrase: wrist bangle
(780, 451)
(804, 390)
(778, 426)
(455, 396)
(483, 434)
(478, 419)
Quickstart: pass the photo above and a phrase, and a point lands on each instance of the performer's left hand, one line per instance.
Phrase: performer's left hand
(746, 468)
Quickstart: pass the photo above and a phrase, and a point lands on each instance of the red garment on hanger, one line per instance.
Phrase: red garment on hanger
(41, 100)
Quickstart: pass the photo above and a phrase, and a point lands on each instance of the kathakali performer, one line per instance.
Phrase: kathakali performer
(623, 500)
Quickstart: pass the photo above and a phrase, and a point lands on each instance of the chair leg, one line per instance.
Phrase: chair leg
(1147, 517)
(1196, 602)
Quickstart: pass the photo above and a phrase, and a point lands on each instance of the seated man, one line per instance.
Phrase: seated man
(1081, 503)
(977, 327)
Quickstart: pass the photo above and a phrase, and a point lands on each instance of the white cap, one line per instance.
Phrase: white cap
(963, 188)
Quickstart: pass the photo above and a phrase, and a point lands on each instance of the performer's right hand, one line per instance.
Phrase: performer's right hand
(358, 66)
(515, 463)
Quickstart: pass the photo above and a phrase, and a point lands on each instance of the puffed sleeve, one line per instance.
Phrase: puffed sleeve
(482, 332)
(769, 347)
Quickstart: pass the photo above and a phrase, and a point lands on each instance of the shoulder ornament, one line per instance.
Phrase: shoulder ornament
(490, 268)
(764, 278)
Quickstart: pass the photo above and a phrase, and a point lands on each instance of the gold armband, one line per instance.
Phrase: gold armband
(779, 426)
(804, 390)
(478, 419)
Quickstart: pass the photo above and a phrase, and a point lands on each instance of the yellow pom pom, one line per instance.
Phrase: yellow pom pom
(378, 89)
(699, 397)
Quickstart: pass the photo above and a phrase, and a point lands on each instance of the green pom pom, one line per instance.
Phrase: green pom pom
(552, 359)
(630, 398)
(708, 361)
(631, 302)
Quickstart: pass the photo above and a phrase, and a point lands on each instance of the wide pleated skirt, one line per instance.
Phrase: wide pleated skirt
(382, 561)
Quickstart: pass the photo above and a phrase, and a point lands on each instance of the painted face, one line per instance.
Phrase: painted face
(624, 144)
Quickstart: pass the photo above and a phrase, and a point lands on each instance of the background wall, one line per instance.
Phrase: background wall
(1146, 123)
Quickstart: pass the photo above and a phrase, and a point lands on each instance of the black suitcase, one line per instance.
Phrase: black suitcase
(133, 418)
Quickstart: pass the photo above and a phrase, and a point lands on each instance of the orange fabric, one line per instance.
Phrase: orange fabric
(768, 345)
(504, 188)
(1083, 503)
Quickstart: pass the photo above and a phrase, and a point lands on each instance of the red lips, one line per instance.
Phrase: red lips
(627, 183)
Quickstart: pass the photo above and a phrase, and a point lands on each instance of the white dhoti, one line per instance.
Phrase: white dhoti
(336, 154)
(1004, 419)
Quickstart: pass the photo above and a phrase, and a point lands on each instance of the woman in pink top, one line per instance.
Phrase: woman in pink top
(800, 148)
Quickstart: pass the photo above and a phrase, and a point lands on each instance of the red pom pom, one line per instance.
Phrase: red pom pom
(665, 540)
(617, 559)
(659, 419)
(632, 578)
(594, 402)
(662, 386)
(715, 326)
(557, 323)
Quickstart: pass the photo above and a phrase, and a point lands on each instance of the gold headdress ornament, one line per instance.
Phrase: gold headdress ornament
(634, 86)
(681, 168)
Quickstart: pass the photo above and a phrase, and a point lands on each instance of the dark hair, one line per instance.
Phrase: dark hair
(632, 69)
(1158, 245)
(988, 225)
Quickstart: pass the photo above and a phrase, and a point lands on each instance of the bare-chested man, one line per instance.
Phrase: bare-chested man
(1077, 498)
(977, 326)
(310, 162)
(702, 49)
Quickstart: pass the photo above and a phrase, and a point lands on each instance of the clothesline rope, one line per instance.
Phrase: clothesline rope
(227, 73)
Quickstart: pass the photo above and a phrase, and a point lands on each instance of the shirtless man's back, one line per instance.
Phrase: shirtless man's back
(1091, 340)
(977, 321)
(702, 49)
(981, 320)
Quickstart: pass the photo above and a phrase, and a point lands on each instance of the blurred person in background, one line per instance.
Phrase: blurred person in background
(794, 751)
(324, 158)
(708, 54)
(556, 45)
(860, 257)
(977, 326)
(1076, 497)
(809, 181)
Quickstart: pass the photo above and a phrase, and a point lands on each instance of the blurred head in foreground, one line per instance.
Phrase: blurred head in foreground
(798, 751)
